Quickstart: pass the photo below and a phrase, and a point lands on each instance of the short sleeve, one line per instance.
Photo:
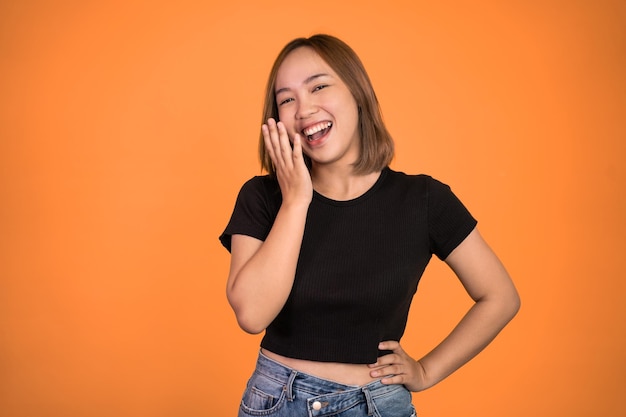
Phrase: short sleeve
(449, 221)
(255, 210)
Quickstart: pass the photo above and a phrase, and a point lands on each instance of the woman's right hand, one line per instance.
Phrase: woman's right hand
(291, 171)
(262, 272)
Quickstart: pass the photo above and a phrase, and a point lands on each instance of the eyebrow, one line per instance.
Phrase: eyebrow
(307, 81)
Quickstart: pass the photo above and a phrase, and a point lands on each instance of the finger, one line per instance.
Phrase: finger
(297, 146)
(285, 145)
(274, 138)
(395, 379)
(391, 345)
(385, 371)
(269, 147)
(384, 361)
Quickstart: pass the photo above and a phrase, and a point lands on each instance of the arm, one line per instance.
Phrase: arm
(262, 273)
(495, 303)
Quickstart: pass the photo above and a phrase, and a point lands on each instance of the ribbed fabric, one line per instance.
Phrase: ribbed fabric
(360, 262)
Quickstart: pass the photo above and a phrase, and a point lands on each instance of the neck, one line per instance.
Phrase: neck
(342, 183)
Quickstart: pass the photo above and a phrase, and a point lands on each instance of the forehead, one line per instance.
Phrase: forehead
(299, 65)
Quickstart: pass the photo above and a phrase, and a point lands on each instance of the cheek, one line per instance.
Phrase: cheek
(283, 116)
(289, 125)
(352, 117)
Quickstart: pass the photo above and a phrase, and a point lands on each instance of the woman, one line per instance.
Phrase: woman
(328, 248)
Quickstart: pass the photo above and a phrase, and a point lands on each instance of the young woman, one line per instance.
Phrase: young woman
(328, 248)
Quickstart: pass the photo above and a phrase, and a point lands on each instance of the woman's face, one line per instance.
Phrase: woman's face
(316, 104)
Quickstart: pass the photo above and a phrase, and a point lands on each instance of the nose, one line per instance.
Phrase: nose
(306, 107)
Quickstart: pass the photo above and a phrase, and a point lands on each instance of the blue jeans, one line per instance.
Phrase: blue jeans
(279, 391)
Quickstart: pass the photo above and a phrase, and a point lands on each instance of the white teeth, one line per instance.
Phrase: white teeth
(316, 128)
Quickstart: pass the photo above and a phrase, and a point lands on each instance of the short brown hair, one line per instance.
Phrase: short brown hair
(377, 146)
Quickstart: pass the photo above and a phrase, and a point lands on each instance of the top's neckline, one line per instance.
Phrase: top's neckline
(323, 199)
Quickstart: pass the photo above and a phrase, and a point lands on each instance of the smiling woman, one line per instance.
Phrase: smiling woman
(333, 63)
(128, 127)
(313, 101)
(327, 250)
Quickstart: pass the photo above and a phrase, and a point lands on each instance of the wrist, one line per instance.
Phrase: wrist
(295, 205)
(427, 379)
(421, 372)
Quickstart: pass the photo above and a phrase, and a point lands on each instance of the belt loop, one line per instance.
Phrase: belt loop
(370, 402)
(289, 386)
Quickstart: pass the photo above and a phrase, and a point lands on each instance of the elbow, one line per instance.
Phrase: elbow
(509, 301)
(249, 321)
(249, 325)
(513, 304)
(518, 303)
(504, 305)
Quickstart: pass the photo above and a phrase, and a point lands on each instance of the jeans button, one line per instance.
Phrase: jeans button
(317, 405)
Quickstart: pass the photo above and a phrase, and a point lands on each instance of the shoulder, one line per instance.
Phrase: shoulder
(261, 182)
(255, 209)
(260, 195)
(261, 186)
(419, 181)
(437, 194)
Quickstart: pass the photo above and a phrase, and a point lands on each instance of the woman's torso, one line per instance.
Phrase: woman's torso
(343, 373)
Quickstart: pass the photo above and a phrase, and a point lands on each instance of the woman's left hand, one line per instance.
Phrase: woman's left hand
(398, 368)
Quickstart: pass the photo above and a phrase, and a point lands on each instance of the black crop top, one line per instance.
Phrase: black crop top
(359, 265)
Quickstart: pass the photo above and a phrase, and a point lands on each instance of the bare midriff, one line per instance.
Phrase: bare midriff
(343, 373)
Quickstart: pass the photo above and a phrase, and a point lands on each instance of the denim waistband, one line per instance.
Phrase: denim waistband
(323, 396)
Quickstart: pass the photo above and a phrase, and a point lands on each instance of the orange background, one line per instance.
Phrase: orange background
(127, 128)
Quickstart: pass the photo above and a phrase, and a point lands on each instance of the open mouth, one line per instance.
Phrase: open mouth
(316, 131)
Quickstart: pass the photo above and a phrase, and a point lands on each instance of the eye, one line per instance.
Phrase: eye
(320, 87)
(285, 101)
